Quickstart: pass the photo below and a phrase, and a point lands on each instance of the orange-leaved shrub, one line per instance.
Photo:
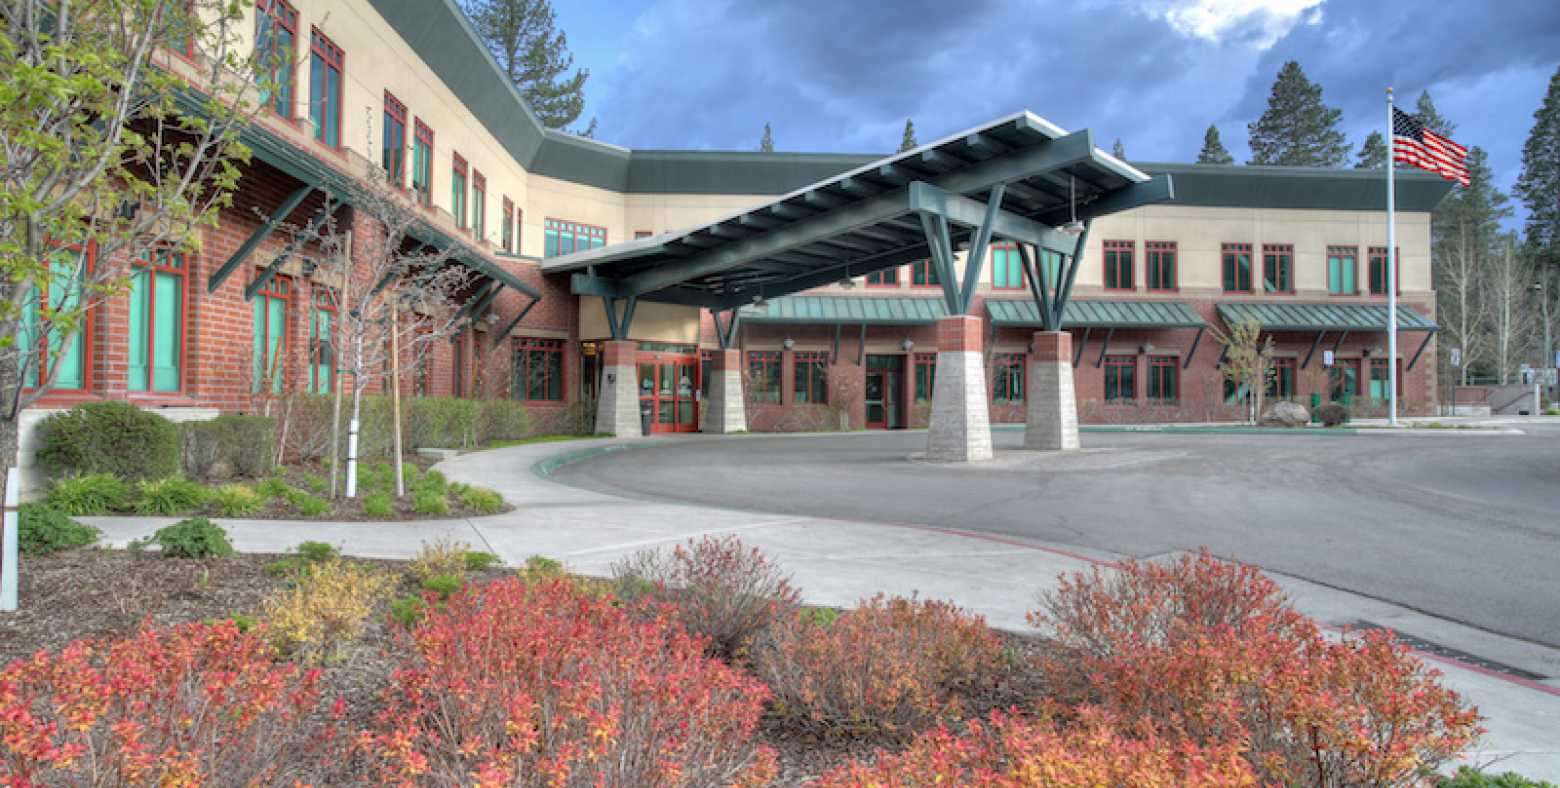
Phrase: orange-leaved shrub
(1207, 651)
(1009, 751)
(197, 704)
(890, 666)
(520, 683)
(721, 589)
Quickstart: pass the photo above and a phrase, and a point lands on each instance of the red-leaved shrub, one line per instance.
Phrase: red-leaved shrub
(889, 666)
(1208, 651)
(721, 589)
(542, 683)
(1014, 752)
(196, 704)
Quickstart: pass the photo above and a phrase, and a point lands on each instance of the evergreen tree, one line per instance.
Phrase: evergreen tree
(908, 142)
(1117, 150)
(767, 144)
(1373, 154)
(1539, 184)
(1297, 129)
(1425, 109)
(524, 39)
(1213, 150)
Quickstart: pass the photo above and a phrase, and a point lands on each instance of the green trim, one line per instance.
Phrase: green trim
(1300, 188)
(1093, 313)
(1286, 316)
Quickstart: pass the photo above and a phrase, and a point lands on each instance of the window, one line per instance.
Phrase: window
(67, 360)
(270, 334)
(638, 234)
(538, 370)
(1120, 378)
(276, 28)
(393, 157)
(810, 379)
(925, 376)
(706, 371)
(1278, 268)
(326, 61)
(1007, 378)
(1378, 271)
(1118, 265)
(1342, 276)
(764, 376)
(1237, 268)
(506, 233)
(322, 342)
(422, 162)
(1282, 384)
(478, 206)
(1164, 383)
(563, 237)
(1380, 383)
(458, 190)
(1159, 264)
(1343, 379)
(157, 323)
(888, 277)
(924, 274)
(1007, 267)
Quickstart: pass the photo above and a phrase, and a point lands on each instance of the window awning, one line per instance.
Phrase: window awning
(1098, 314)
(847, 310)
(1285, 316)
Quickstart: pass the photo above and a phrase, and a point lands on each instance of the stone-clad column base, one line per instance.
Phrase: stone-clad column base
(724, 411)
(960, 428)
(1052, 422)
(617, 409)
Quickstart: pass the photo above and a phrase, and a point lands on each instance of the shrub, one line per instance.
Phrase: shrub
(478, 561)
(109, 437)
(236, 500)
(172, 495)
(722, 590)
(1207, 652)
(42, 530)
(196, 537)
(314, 482)
(540, 566)
(94, 493)
(1013, 751)
(439, 557)
(430, 502)
(889, 667)
(306, 504)
(317, 552)
(481, 500)
(322, 613)
(379, 477)
(229, 445)
(441, 422)
(406, 611)
(442, 585)
(273, 487)
(1332, 414)
(195, 704)
(378, 504)
(501, 419)
(432, 481)
(1467, 777)
(534, 684)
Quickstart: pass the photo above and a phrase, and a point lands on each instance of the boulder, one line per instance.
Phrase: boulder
(1286, 414)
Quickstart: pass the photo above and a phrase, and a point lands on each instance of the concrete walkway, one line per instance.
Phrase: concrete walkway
(837, 562)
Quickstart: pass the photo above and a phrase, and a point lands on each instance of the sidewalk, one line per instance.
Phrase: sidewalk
(837, 562)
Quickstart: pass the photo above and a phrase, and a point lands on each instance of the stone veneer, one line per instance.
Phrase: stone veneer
(1052, 418)
(617, 409)
(960, 429)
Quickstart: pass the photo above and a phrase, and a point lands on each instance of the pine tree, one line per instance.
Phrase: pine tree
(1213, 150)
(767, 144)
(1425, 109)
(1539, 184)
(1117, 150)
(1373, 154)
(524, 39)
(1297, 129)
(908, 142)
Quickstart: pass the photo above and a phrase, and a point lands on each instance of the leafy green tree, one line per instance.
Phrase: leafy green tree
(1117, 150)
(105, 156)
(523, 36)
(908, 141)
(1297, 129)
(1213, 150)
(1373, 154)
(767, 143)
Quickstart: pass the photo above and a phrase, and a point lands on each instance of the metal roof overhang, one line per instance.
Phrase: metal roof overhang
(1098, 314)
(846, 310)
(1284, 316)
(866, 219)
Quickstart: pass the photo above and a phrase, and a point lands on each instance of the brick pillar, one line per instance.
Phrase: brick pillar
(1052, 420)
(617, 407)
(724, 411)
(960, 429)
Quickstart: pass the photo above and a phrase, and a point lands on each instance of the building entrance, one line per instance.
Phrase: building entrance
(667, 386)
(883, 392)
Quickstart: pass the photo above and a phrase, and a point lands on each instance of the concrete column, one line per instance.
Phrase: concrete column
(960, 429)
(1052, 420)
(724, 411)
(617, 408)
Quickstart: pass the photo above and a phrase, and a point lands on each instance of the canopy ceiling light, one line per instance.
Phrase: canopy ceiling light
(1073, 227)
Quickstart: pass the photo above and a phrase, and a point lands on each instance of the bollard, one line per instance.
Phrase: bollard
(9, 534)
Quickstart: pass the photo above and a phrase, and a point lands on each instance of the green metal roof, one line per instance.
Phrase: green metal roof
(850, 310)
(1098, 314)
(1287, 316)
(1300, 188)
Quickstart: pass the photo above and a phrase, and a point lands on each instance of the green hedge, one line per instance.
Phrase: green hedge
(109, 437)
(229, 445)
(434, 422)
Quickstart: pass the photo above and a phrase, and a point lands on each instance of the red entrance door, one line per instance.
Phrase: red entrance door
(667, 383)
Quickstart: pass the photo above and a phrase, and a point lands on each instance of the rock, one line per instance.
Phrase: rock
(1286, 414)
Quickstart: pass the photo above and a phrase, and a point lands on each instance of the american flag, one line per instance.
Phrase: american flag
(1414, 144)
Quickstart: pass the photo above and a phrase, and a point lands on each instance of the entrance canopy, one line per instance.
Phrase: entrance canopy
(1018, 178)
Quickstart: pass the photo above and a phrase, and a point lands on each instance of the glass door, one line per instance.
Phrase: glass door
(876, 399)
(667, 387)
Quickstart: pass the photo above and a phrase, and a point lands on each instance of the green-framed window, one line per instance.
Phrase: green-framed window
(276, 30)
(1282, 384)
(1119, 265)
(810, 378)
(1237, 268)
(1007, 378)
(1120, 378)
(478, 206)
(68, 359)
(507, 227)
(1164, 378)
(1343, 380)
(562, 237)
(1278, 268)
(924, 274)
(925, 376)
(326, 63)
(458, 190)
(393, 153)
(888, 277)
(1380, 382)
(322, 342)
(1159, 264)
(1378, 271)
(157, 333)
(764, 375)
(269, 313)
(422, 162)
(1007, 267)
(1342, 270)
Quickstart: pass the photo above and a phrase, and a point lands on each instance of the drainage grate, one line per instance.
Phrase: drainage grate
(1451, 653)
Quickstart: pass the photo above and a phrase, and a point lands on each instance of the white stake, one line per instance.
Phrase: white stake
(8, 540)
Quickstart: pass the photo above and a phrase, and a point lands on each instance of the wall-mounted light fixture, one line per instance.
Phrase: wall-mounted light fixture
(907, 345)
(1146, 348)
(788, 343)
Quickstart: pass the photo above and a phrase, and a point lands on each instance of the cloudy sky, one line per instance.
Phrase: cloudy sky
(843, 75)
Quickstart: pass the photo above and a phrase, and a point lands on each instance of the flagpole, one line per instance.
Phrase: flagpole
(1391, 283)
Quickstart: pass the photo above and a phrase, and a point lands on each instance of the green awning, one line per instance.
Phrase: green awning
(1097, 314)
(847, 310)
(1286, 316)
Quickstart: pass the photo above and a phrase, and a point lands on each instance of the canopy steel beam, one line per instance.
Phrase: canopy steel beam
(258, 236)
(1422, 345)
(974, 261)
(1064, 289)
(723, 336)
(618, 326)
(1161, 188)
(972, 213)
(1082, 343)
(587, 285)
(941, 245)
(1039, 287)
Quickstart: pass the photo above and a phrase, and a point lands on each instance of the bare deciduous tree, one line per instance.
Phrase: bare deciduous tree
(1248, 361)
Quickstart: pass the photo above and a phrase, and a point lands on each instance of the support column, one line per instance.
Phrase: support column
(1052, 419)
(960, 429)
(724, 410)
(617, 407)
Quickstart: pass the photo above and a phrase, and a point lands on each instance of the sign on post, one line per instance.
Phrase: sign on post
(1456, 359)
(1327, 358)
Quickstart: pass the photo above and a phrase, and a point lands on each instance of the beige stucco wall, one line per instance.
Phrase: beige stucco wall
(652, 322)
